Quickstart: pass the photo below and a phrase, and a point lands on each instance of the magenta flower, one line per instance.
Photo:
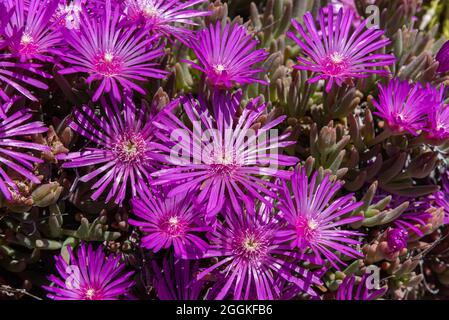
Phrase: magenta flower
(14, 74)
(437, 114)
(414, 217)
(397, 239)
(165, 17)
(30, 33)
(334, 53)
(347, 5)
(314, 221)
(14, 150)
(442, 197)
(252, 259)
(170, 222)
(403, 106)
(110, 54)
(124, 148)
(175, 279)
(224, 159)
(348, 291)
(89, 275)
(68, 15)
(227, 57)
(443, 58)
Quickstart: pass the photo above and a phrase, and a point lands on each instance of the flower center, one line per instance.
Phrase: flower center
(398, 121)
(150, 11)
(130, 148)
(251, 246)
(306, 228)
(336, 58)
(26, 39)
(92, 294)
(223, 162)
(442, 127)
(334, 64)
(174, 226)
(219, 68)
(222, 169)
(27, 44)
(107, 64)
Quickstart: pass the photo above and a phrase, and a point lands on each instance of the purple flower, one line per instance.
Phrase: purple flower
(14, 151)
(252, 258)
(334, 53)
(125, 147)
(403, 106)
(222, 158)
(170, 222)
(68, 15)
(111, 54)
(164, 16)
(397, 239)
(12, 73)
(89, 275)
(443, 58)
(414, 217)
(29, 31)
(347, 288)
(314, 221)
(348, 5)
(442, 197)
(175, 280)
(227, 57)
(438, 114)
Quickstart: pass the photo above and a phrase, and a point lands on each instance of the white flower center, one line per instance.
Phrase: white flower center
(26, 39)
(150, 11)
(90, 293)
(219, 68)
(336, 58)
(173, 221)
(251, 244)
(108, 57)
(312, 224)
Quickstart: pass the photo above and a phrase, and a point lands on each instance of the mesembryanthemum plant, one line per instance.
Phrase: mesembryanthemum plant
(192, 150)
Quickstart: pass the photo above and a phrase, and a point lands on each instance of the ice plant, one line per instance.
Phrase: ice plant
(349, 291)
(314, 220)
(442, 197)
(252, 258)
(437, 114)
(227, 56)
(224, 159)
(15, 151)
(13, 74)
(169, 18)
(175, 279)
(443, 58)
(30, 32)
(124, 147)
(110, 54)
(403, 106)
(69, 14)
(415, 216)
(335, 54)
(347, 5)
(170, 222)
(89, 275)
